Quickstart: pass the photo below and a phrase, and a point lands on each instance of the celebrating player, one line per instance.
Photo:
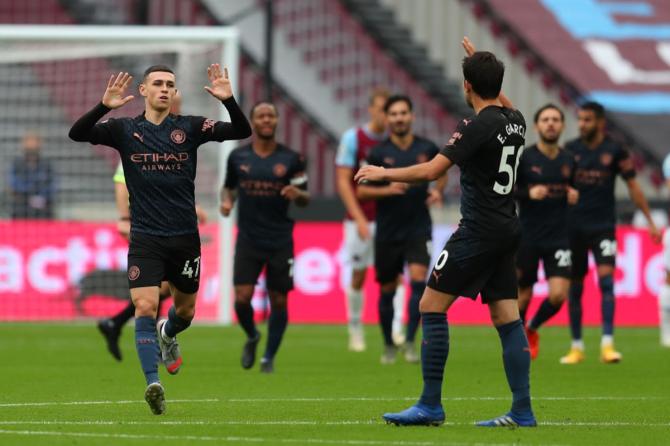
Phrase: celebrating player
(479, 256)
(159, 151)
(543, 189)
(267, 176)
(359, 225)
(592, 223)
(404, 227)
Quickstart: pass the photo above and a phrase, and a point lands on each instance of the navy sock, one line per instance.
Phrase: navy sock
(386, 316)
(124, 315)
(575, 309)
(147, 347)
(546, 311)
(414, 315)
(175, 324)
(245, 317)
(434, 352)
(516, 358)
(276, 327)
(607, 304)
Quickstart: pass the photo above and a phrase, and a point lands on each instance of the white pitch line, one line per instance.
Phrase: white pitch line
(322, 400)
(231, 439)
(305, 423)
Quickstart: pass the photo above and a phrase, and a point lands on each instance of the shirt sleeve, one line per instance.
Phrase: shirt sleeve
(210, 130)
(346, 151)
(88, 129)
(521, 191)
(299, 177)
(119, 176)
(624, 164)
(666, 168)
(231, 173)
(464, 142)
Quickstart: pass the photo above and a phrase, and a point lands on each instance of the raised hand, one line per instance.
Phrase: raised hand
(113, 97)
(220, 88)
(468, 46)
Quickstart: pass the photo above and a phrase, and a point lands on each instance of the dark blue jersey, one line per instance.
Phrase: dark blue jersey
(403, 217)
(487, 148)
(159, 162)
(263, 219)
(595, 174)
(544, 222)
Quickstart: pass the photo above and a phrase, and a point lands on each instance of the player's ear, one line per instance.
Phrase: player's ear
(143, 89)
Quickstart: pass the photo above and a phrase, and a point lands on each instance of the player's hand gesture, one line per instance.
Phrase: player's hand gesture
(573, 195)
(363, 229)
(369, 173)
(226, 207)
(538, 192)
(113, 97)
(468, 46)
(220, 88)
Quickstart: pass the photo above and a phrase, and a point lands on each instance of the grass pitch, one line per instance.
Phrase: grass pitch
(59, 386)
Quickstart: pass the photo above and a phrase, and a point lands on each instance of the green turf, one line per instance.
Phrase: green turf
(320, 393)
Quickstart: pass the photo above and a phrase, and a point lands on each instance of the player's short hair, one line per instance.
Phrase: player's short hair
(485, 73)
(595, 107)
(378, 92)
(397, 98)
(548, 106)
(155, 68)
(258, 104)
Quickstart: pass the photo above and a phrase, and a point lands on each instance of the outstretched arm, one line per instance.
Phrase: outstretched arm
(85, 129)
(220, 88)
(470, 49)
(428, 171)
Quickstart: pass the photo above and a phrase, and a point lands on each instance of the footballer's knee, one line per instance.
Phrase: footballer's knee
(278, 300)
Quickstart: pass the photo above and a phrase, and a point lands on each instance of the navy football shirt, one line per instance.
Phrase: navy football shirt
(159, 162)
(487, 148)
(403, 217)
(595, 174)
(263, 219)
(544, 222)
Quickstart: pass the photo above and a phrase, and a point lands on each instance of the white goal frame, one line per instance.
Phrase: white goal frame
(109, 41)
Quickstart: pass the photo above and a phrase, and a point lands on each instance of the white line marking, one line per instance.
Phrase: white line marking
(231, 439)
(321, 400)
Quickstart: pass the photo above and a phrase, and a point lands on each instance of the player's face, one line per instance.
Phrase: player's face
(549, 126)
(376, 112)
(264, 121)
(400, 118)
(159, 89)
(589, 124)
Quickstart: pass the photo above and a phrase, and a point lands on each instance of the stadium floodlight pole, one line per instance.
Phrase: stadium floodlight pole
(124, 36)
(269, 32)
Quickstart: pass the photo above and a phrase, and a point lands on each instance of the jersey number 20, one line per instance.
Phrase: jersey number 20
(506, 167)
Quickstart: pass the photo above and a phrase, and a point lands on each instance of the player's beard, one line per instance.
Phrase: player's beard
(400, 129)
(590, 135)
(550, 140)
(266, 136)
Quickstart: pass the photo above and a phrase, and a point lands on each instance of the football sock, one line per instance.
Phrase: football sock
(124, 315)
(575, 310)
(516, 358)
(245, 316)
(386, 316)
(398, 307)
(607, 304)
(434, 353)
(413, 310)
(546, 311)
(276, 327)
(147, 347)
(175, 324)
(354, 307)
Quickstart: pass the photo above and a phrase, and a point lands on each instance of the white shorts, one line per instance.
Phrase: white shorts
(666, 249)
(358, 253)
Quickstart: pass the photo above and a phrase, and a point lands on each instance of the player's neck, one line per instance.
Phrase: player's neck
(479, 104)
(549, 150)
(264, 147)
(374, 129)
(154, 116)
(402, 141)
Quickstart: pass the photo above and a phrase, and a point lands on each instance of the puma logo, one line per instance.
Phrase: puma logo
(138, 136)
(245, 168)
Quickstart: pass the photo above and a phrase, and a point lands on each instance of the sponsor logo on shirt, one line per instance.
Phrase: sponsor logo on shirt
(208, 124)
(159, 161)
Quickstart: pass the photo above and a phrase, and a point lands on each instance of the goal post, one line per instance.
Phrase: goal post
(49, 76)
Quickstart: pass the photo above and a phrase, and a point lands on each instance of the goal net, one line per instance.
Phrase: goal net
(61, 256)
